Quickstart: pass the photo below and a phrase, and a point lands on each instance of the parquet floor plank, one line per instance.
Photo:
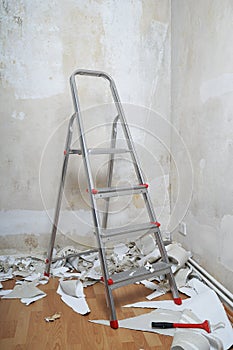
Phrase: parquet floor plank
(24, 328)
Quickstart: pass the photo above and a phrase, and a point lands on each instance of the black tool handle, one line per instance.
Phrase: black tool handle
(162, 325)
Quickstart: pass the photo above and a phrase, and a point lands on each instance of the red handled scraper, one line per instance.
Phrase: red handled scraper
(163, 325)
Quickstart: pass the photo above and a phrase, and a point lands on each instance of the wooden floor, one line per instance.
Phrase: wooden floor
(23, 327)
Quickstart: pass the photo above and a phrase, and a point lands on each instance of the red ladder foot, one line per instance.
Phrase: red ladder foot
(177, 301)
(114, 324)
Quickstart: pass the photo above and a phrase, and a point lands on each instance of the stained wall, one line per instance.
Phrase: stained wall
(202, 105)
(42, 43)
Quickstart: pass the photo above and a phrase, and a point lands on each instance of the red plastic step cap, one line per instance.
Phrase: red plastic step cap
(144, 185)
(156, 223)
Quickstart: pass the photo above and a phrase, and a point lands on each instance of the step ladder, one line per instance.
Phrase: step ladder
(102, 232)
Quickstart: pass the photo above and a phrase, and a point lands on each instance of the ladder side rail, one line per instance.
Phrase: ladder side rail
(59, 197)
(136, 166)
(127, 132)
(146, 196)
(85, 156)
(132, 148)
(110, 170)
(94, 207)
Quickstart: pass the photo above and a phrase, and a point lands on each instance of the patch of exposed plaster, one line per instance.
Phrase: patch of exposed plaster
(149, 43)
(31, 241)
(18, 115)
(226, 229)
(216, 87)
(31, 49)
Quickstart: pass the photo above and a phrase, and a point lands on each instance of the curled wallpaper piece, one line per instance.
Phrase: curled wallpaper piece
(88, 283)
(26, 290)
(5, 291)
(215, 343)
(71, 275)
(189, 340)
(194, 287)
(90, 257)
(28, 301)
(59, 271)
(78, 304)
(72, 287)
(32, 277)
(157, 293)
(43, 280)
(151, 257)
(178, 254)
(158, 289)
(120, 250)
(146, 244)
(5, 276)
(149, 284)
(181, 276)
(23, 274)
(73, 262)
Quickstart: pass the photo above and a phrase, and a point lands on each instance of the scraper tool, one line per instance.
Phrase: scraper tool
(163, 325)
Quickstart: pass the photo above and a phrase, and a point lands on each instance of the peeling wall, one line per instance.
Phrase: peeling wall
(202, 105)
(42, 43)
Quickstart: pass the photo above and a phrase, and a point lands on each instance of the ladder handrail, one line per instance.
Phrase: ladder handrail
(122, 118)
(90, 73)
(93, 73)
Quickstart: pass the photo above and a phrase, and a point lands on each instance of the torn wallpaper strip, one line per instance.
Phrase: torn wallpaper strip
(183, 339)
(205, 305)
(26, 292)
(78, 304)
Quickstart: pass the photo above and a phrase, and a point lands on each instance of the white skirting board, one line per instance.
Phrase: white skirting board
(224, 294)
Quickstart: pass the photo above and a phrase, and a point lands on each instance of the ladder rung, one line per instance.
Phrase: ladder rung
(108, 150)
(118, 191)
(138, 274)
(74, 151)
(100, 151)
(110, 233)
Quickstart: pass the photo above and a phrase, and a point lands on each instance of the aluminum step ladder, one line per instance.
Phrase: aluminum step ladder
(102, 233)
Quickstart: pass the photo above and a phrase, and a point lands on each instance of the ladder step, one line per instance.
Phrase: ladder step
(114, 232)
(101, 151)
(108, 150)
(118, 191)
(138, 274)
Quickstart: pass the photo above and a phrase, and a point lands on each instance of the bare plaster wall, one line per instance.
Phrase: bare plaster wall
(42, 43)
(202, 112)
